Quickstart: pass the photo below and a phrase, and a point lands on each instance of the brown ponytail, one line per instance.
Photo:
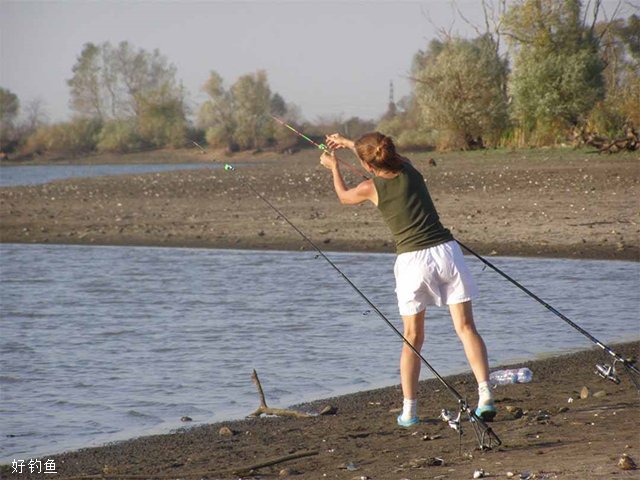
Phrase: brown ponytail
(378, 151)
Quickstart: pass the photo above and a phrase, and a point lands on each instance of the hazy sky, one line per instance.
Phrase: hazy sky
(328, 57)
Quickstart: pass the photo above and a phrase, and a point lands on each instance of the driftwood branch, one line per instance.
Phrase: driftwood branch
(256, 381)
(263, 409)
(275, 461)
(235, 470)
(630, 142)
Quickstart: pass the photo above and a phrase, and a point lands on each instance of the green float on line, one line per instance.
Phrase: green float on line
(228, 167)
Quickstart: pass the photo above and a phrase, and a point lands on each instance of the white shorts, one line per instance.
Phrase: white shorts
(433, 276)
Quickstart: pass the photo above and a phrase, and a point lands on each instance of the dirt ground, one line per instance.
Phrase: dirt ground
(552, 203)
(565, 431)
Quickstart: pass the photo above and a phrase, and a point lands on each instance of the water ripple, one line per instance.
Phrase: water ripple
(104, 343)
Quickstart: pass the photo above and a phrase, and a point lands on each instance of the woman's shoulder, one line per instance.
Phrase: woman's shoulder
(405, 160)
(412, 172)
(409, 167)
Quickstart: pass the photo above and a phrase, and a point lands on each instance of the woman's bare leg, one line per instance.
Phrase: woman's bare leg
(476, 351)
(409, 362)
(410, 367)
(474, 347)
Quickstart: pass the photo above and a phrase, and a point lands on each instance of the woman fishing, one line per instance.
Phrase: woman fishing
(430, 267)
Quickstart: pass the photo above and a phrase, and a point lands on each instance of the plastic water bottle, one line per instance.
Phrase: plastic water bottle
(524, 375)
(506, 377)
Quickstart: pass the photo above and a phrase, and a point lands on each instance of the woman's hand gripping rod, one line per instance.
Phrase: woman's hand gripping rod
(320, 146)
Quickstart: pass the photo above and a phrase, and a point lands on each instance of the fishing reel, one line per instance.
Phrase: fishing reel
(487, 439)
(454, 423)
(608, 372)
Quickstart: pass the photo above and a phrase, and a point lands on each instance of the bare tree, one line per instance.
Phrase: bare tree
(34, 114)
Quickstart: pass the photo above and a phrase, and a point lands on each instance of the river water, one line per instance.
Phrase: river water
(100, 344)
(12, 176)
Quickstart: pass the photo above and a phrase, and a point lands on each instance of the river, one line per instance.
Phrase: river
(105, 343)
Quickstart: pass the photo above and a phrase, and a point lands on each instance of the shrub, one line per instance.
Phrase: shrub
(119, 136)
(75, 137)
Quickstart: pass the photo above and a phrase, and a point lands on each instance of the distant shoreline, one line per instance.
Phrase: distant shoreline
(522, 251)
(158, 156)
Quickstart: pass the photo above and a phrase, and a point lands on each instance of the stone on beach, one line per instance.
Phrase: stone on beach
(627, 463)
(585, 393)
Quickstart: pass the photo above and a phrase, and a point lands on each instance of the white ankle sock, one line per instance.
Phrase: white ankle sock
(409, 408)
(485, 395)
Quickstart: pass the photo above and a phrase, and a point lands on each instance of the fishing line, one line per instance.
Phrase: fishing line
(320, 146)
(484, 434)
(605, 371)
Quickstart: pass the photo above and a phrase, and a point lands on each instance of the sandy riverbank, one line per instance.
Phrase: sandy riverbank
(554, 438)
(553, 203)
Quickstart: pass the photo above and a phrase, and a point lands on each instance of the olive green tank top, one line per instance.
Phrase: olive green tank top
(408, 210)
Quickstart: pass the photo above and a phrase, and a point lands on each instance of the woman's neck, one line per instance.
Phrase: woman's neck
(385, 173)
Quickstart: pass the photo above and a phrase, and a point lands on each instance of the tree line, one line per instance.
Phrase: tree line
(566, 76)
(542, 72)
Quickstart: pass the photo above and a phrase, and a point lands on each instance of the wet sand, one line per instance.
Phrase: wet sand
(529, 203)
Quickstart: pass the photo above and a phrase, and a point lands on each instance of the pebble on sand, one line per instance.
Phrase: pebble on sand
(627, 463)
(584, 393)
(328, 410)
(515, 412)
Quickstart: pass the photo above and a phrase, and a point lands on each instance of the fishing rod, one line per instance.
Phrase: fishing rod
(486, 437)
(320, 146)
(199, 146)
(605, 371)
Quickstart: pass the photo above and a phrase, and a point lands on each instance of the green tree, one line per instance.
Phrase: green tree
(127, 88)
(620, 51)
(558, 72)
(9, 107)
(407, 128)
(216, 114)
(278, 106)
(161, 117)
(252, 100)
(119, 136)
(137, 74)
(87, 95)
(460, 91)
(238, 118)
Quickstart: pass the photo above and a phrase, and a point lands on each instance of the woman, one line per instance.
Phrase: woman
(430, 267)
